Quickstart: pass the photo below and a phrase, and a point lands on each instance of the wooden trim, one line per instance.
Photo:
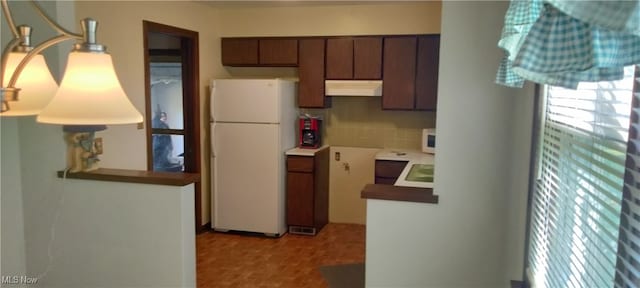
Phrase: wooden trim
(165, 52)
(167, 131)
(146, 29)
(398, 193)
(135, 176)
(191, 102)
(206, 227)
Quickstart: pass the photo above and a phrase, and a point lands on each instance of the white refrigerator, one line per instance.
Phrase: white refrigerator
(253, 124)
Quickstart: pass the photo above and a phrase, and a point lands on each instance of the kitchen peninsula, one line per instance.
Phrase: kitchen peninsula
(137, 218)
(405, 187)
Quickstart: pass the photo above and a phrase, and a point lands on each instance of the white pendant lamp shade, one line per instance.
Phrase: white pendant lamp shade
(90, 94)
(36, 84)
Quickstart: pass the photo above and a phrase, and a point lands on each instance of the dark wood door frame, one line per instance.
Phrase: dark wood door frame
(191, 102)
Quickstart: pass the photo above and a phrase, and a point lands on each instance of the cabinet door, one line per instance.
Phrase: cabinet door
(340, 58)
(279, 52)
(389, 169)
(311, 73)
(399, 66)
(427, 72)
(239, 52)
(367, 62)
(300, 199)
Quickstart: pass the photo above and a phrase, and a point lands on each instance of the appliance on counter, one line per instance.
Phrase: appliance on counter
(310, 133)
(253, 124)
(429, 140)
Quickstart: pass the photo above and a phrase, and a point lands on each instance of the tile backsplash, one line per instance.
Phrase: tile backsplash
(361, 122)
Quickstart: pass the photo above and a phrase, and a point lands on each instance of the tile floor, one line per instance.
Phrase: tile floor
(231, 260)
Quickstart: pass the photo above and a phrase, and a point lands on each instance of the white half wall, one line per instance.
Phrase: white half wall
(111, 234)
(469, 238)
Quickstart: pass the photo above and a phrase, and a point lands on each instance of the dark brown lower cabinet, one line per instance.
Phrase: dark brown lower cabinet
(388, 171)
(308, 192)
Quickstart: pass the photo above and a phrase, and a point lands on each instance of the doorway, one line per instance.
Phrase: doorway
(172, 103)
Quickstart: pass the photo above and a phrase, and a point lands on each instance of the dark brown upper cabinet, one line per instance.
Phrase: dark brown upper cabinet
(399, 66)
(407, 64)
(239, 52)
(275, 52)
(410, 65)
(354, 58)
(427, 72)
(278, 52)
(340, 58)
(311, 73)
(367, 58)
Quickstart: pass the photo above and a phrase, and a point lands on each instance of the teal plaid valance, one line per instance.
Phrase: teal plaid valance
(562, 43)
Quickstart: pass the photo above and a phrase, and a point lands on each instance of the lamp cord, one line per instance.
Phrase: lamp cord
(53, 227)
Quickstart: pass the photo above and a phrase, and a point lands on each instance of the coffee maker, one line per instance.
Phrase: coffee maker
(310, 136)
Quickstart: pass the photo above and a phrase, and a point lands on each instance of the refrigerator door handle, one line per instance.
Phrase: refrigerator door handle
(213, 139)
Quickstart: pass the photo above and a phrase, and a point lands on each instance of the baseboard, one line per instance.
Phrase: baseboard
(204, 228)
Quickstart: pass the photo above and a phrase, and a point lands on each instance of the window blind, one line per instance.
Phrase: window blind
(576, 203)
(628, 261)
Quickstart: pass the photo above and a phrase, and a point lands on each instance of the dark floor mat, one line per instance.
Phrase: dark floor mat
(344, 276)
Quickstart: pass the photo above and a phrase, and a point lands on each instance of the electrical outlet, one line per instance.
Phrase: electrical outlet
(337, 156)
(141, 125)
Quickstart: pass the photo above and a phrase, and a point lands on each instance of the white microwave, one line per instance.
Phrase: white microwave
(429, 141)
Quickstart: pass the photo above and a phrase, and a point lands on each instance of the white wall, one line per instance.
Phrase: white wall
(334, 18)
(121, 31)
(17, 177)
(12, 235)
(472, 236)
(107, 234)
(347, 177)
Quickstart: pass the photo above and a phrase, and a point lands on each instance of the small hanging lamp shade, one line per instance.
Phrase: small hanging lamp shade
(37, 86)
(90, 94)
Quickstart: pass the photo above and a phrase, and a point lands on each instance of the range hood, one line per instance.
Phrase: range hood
(353, 88)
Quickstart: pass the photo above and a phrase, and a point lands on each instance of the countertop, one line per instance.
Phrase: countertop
(412, 157)
(135, 176)
(304, 151)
